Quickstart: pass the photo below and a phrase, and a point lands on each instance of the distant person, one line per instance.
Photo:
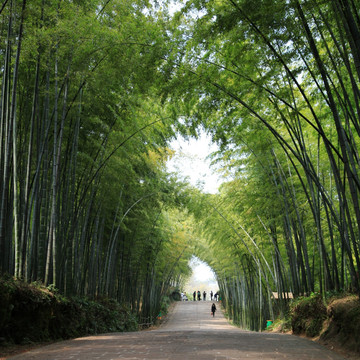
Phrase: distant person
(199, 295)
(204, 295)
(211, 295)
(194, 295)
(216, 296)
(213, 309)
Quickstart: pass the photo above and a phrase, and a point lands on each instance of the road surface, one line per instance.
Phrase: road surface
(189, 333)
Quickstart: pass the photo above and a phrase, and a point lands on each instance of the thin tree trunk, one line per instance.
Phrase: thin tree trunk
(5, 153)
(19, 268)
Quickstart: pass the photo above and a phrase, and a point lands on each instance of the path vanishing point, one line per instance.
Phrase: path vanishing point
(189, 333)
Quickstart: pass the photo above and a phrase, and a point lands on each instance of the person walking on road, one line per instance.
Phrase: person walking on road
(213, 309)
(199, 295)
(194, 295)
(211, 295)
(204, 295)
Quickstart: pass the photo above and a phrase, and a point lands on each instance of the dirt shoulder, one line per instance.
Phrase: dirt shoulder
(340, 330)
(339, 349)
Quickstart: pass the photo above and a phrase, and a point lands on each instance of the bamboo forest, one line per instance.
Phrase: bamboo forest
(94, 91)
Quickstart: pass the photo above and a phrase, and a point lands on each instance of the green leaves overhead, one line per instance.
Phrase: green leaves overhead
(92, 91)
(277, 86)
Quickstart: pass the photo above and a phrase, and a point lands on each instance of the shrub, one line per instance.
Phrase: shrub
(27, 311)
(344, 322)
(30, 313)
(165, 303)
(307, 315)
(175, 296)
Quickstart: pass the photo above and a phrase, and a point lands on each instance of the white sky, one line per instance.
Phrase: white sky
(202, 272)
(202, 278)
(190, 160)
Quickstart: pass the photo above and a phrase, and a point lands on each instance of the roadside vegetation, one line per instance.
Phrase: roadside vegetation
(32, 313)
(333, 321)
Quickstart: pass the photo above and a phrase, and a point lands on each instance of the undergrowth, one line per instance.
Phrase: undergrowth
(32, 313)
(307, 315)
(333, 318)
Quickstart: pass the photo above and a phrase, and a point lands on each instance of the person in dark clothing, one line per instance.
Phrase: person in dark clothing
(213, 309)
(194, 295)
(199, 295)
(211, 295)
(204, 295)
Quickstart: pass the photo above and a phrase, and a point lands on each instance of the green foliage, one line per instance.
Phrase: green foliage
(7, 290)
(91, 146)
(78, 316)
(29, 311)
(165, 304)
(308, 315)
(263, 78)
(175, 295)
(33, 313)
(337, 323)
(281, 324)
(92, 100)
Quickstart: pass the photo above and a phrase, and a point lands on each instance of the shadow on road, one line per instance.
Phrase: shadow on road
(190, 332)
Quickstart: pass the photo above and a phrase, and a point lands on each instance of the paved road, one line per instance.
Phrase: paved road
(189, 333)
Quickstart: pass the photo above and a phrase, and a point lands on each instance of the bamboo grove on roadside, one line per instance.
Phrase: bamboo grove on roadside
(92, 92)
(85, 204)
(278, 89)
